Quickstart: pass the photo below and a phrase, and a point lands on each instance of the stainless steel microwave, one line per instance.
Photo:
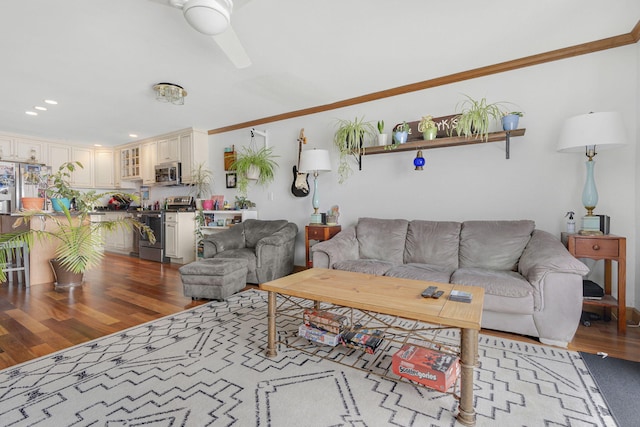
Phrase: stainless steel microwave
(169, 174)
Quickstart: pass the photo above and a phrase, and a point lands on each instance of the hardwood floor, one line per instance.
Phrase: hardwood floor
(126, 292)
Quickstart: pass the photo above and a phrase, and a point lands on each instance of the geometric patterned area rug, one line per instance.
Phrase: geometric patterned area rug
(206, 366)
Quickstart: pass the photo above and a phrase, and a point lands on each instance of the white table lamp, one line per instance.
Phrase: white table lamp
(585, 132)
(315, 161)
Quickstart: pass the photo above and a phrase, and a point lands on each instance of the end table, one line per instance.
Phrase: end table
(607, 247)
(320, 233)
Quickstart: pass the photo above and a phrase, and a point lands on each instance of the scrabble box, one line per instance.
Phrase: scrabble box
(430, 368)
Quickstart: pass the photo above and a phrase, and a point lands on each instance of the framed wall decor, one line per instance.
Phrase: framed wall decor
(231, 180)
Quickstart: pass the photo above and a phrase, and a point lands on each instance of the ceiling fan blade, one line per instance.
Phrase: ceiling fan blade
(232, 47)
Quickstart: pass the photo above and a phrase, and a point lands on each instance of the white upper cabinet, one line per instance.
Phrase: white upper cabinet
(149, 159)
(58, 155)
(194, 149)
(15, 149)
(104, 169)
(82, 177)
(169, 150)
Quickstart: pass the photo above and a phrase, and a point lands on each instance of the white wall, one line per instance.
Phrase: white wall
(474, 182)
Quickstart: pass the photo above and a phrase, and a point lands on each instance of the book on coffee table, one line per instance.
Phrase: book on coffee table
(460, 296)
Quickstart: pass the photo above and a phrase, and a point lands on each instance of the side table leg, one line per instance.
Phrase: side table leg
(468, 360)
(271, 325)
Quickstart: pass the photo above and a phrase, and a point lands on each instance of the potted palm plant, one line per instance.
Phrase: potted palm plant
(350, 139)
(254, 163)
(79, 240)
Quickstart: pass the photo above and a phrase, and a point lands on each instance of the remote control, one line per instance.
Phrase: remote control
(437, 294)
(429, 291)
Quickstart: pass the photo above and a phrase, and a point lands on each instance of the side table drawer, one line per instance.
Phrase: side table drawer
(596, 247)
(316, 233)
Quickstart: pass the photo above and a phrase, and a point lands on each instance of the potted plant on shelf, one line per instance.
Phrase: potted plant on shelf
(34, 183)
(428, 127)
(350, 139)
(201, 181)
(79, 240)
(476, 117)
(244, 203)
(251, 160)
(402, 132)
(382, 137)
(510, 119)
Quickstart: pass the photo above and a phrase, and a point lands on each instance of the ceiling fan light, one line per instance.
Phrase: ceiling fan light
(209, 17)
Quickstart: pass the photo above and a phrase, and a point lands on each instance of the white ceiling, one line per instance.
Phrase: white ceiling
(100, 58)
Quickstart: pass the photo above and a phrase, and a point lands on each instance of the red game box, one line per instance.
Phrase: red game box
(431, 368)
(325, 320)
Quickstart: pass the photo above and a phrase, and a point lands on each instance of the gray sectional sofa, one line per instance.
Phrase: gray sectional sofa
(533, 286)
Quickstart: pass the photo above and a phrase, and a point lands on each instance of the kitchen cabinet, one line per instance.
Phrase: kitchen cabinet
(180, 236)
(148, 152)
(103, 170)
(13, 149)
(82, 177)
(130, 163)
(194, 149)
(119, 240)
(58, 155)
(169, 150)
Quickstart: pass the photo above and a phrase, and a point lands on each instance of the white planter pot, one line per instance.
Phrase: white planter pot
(253, 173)
(382, 139)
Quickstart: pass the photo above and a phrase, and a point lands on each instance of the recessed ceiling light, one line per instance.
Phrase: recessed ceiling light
(37, 107)
(51, 101)
(133, 135)
(97, 145)
(31, 113)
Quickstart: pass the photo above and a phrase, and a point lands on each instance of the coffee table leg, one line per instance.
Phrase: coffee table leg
(271, 325)
(468, 360)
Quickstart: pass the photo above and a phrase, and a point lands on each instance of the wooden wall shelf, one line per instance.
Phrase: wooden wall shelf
(445, 142)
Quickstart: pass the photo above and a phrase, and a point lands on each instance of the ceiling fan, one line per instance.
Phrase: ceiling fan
(213, 18)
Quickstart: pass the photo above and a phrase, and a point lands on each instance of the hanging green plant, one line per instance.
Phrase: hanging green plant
(249, 158)
(476, 117)
(350, 139)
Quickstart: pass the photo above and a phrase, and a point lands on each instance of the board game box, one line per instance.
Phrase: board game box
(320, 319)
(318, 335)
(365, 339)
(431, 368)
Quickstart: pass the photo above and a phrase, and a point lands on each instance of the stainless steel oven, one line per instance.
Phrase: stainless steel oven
(147, 250)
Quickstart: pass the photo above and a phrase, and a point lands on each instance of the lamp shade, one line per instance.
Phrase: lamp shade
(315, 161)
(604, 130)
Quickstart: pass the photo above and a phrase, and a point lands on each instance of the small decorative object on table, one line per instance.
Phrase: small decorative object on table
(332, 215)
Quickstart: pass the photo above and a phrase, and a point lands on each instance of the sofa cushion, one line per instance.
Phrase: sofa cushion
(495, 245)
(382, 239)
(256, 229)
(505, 291)
(428, 272)
(368, 266)
(433, 242)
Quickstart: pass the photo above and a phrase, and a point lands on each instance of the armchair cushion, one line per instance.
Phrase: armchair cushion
(256, 229)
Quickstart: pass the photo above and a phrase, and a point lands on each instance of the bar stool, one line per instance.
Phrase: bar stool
(20, 251)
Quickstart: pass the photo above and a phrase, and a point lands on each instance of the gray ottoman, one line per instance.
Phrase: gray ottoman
(214, 278)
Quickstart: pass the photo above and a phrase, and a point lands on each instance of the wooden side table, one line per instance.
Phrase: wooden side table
(320, 233)
(609, 248)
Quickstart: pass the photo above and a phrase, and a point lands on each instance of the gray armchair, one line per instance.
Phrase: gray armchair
(268, 247)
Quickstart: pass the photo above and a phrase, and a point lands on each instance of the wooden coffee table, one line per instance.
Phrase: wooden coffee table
(390, 296)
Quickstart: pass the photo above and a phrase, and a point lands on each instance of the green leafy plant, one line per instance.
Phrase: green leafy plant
(350, 139)
(404, 127)
(514, 113)
(248, 158)
(244, 203)
(58, 182)
(201, 181)
(426, 123)
(80, 241)
(476, 117)
(380, 126)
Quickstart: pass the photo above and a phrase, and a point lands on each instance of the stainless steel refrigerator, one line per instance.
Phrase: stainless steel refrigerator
(18, 180)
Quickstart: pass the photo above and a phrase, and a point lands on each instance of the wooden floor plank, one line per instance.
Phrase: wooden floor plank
(125, 292)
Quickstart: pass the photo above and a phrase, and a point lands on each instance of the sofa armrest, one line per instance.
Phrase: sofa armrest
(232, 238)
(279, 239)
(343, 246)
(545, 254)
